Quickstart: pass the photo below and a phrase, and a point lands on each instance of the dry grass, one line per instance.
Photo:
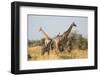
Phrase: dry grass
(35, 53)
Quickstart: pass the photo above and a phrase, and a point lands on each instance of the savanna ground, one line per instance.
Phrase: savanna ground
(35, 54)
(77, 42)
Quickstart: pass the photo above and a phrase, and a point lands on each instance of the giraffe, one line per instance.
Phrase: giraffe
(47, 43)
(59, 38)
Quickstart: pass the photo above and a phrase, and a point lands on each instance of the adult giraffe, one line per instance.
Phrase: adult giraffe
(48, 40)
(59, 38)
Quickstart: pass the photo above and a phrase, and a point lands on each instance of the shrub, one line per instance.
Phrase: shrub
(77, 41)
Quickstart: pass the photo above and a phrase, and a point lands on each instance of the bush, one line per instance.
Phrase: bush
(77, 41)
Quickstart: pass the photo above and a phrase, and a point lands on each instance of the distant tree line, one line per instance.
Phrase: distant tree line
(32, 43)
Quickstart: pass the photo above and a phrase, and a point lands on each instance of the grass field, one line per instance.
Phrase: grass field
(35, 54)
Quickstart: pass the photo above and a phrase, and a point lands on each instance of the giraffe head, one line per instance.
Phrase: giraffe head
(58, 34)
(40, 29)
(73, 24)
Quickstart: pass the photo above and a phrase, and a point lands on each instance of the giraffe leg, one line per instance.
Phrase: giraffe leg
(57, 49)
(44, 49)
(48, 52)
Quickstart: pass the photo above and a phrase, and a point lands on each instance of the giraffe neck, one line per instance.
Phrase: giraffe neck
(69, 30)
(66, 33)
(46, 36)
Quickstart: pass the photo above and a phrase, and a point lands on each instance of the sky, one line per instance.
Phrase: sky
(52, 25)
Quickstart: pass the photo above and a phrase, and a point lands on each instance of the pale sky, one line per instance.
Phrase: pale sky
(54, 24)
